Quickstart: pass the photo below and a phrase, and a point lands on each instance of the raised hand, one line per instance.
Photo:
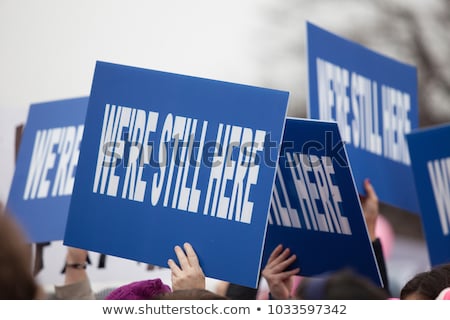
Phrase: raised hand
(188, 274)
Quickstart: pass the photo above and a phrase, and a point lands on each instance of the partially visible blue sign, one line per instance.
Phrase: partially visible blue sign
(45, 170)
(374, 100)
(315, 209)
(168, 159)
(430, 159)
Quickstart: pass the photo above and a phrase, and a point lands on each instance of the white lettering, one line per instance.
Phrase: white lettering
(332, 84)
(53, 161)
(439, 171)
(396, 124)
(319, 198)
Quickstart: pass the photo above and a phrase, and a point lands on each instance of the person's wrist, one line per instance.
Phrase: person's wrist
(76, 265)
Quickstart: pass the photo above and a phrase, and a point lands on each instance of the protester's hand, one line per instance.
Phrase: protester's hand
(75, 255)
(278, 279)
(189, 274)
(370, 207)
(75, 260)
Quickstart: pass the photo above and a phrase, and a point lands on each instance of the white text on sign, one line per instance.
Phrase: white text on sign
(319, 198)
(174, 181)
(439, 172)
(55, 154)
(352, 100)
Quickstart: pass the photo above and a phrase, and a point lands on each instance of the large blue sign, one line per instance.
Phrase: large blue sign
(374, 100)
(45, 170)
(430, 160)
(168, 159)
(315, 209)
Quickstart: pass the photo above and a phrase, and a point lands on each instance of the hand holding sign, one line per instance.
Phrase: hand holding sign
(370, 207)
(315, 211)
(174, 152)
(278, 279)
(189, 275)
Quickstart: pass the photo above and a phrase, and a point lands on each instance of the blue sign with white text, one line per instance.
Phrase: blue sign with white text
(430, 160)
(374, 101)
(168, 159)
(45, 170)
(315, 209)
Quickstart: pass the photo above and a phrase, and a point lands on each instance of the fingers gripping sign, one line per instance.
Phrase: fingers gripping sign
(188, 274)
(276, 272)
(370, 206)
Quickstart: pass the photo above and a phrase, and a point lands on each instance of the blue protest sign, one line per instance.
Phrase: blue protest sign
(169, 159)
(374, 100)
(430, 160)
(315, 209)
(45, 169)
